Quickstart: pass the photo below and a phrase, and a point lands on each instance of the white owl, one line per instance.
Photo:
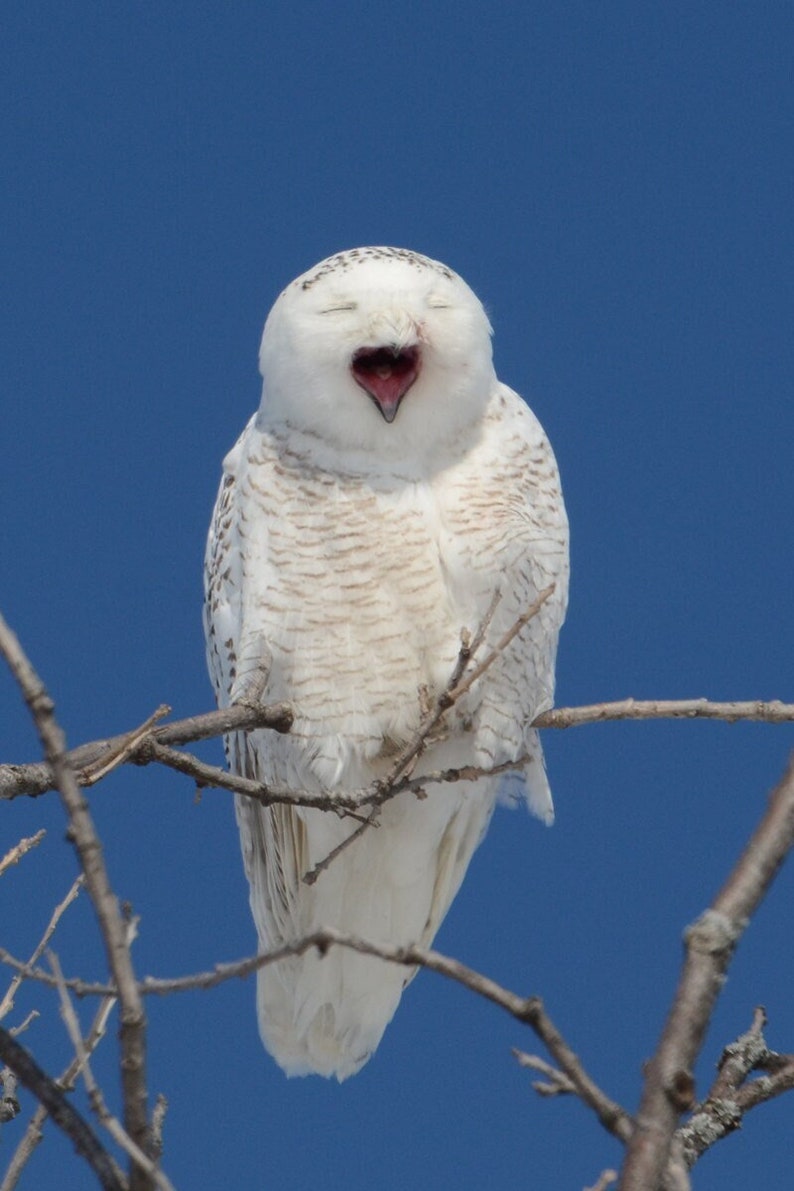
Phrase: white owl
(388, 486)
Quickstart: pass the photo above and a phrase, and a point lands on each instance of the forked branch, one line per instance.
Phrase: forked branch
(660, 1149)
(113, 928)
(65, 1116)
(710, 943)
(460, 681)
(156, 747)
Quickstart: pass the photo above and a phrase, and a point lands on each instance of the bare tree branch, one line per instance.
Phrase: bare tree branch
(25, 1024)
(458, 684)
(710, 944)
(35, 778)
(211, 775)
(62, 1112)
(321, 940)
(15, 854)
(123, 751)
(7, 1003)
(605, 1180)
(659, 1152)
(556, 1083)
(732, 1095)
(461, 680)
(753, 710)
(528, 1010)
(81, 988)
(158, 1121)
(467, 680)
(350, 804)
(692, 1139)
(96, 1099)
(89, 850)
(33, 1134)
(9, 1105)
(38, 777)
(371, 821)
(613, 1118)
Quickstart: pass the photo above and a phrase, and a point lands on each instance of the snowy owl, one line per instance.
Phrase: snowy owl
(388, 493)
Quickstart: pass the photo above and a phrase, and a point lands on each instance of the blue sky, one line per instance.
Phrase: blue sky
(615, 181)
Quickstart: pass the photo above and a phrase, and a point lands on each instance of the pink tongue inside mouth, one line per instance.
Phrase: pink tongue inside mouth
(386, 375)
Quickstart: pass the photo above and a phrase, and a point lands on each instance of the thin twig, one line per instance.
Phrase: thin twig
(66, 1081)
(460, 681)
(556, 1082)
(123, 750)
(7, 1003)
(612, 1116)
(25, 1024)
(65, 1116)
(470, 646)
(752, 710)
(710, 944)
(89, 850)
(458, 684)
(348, 804)
(605, 1179)
(81, 988)
(468, 680)
(95, 1097)
(37, 777)
(732, 1094)
(312, 874)
(211, 775)
(15, 854)
(528, 1010)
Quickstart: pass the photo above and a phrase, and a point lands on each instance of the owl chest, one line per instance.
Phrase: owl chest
(369, 591)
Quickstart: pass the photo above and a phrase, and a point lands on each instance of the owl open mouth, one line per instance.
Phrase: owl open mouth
(386, 373)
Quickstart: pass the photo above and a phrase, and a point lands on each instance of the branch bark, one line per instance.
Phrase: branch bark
(15, 854)
(658, 1153)
(65, 1116)
(756, 711)
(95, 1096)
(38, 777)
(66, 1081)
(528, 1010)
(111, 923)
(730, 1097)
(34, 778)
(7, 1003)
(710, 943)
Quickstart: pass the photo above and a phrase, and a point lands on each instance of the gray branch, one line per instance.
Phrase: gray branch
(709, 946)
(65, 1116)
(33, 778)
(37, 777)
(114, 932)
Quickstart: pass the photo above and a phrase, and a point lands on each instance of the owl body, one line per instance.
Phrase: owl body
(347, 554)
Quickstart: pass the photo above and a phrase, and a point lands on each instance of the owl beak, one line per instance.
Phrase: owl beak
(386, 374)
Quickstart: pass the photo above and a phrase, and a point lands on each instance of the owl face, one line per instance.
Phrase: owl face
(377, 349)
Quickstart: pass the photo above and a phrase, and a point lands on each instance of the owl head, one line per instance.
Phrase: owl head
(378, 350)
